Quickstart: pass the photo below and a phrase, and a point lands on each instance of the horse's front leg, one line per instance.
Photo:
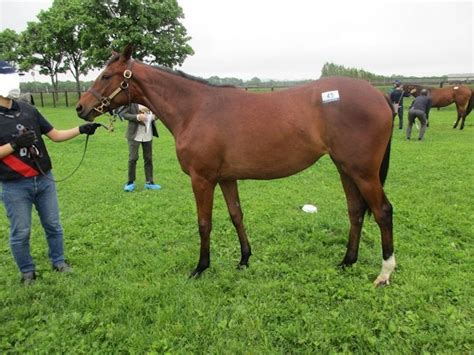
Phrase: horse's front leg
(231, 196)
(204, 194)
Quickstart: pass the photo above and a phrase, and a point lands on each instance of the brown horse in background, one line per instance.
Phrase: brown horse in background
(224, 134)
(461, 95)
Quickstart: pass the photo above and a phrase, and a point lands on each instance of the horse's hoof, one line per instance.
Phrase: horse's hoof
(343, 266)
(381, 281)
(195, 274)
(346, 263)
(242, 266)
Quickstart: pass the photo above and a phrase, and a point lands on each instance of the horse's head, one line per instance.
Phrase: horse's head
(111, 89)
(412, 89)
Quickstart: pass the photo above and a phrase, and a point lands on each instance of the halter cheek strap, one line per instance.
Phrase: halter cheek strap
(105, 101)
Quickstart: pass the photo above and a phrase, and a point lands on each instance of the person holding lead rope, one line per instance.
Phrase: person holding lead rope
(23, 158)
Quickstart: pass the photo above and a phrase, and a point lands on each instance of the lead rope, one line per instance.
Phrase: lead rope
(34, 155)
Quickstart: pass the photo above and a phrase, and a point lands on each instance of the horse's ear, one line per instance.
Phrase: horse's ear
(114, 53)
(127, 52)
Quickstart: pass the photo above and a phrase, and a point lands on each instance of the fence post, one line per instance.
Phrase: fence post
(42, 101)
(67, 102)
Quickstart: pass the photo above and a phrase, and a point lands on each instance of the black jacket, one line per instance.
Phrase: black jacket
(422, 103)
(20, 164)
(397, 95)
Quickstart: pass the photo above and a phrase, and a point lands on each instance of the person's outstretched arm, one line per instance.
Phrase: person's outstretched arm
(66, 134)
(62, 135)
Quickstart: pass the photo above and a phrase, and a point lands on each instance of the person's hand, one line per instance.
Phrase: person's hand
(24, 139)
(141, 118)
(89, 128)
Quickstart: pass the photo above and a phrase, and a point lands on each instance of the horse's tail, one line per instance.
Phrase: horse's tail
(385, 162)
(470, 105)
(386, 158)
(383, 172)
(391, 107)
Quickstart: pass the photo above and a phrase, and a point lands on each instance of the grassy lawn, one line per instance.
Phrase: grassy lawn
(132, 254)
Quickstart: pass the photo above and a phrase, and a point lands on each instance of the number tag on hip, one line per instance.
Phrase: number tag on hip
(330, 96)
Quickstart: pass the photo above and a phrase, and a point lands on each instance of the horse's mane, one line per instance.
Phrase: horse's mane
(179, 73)
(190, 77)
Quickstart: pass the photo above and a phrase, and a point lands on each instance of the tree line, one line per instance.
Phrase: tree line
(332, 69)
(76, 36)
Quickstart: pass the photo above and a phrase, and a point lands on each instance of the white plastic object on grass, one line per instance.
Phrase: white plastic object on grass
(309, 208)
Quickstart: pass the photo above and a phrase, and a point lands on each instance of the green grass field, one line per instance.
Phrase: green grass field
(132, 254)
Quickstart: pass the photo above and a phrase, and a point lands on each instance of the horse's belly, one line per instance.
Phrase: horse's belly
(442, 102)
(267, 164)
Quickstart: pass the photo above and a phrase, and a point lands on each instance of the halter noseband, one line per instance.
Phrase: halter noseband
(105, 101)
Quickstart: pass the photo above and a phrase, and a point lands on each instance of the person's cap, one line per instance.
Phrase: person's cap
(9, 81)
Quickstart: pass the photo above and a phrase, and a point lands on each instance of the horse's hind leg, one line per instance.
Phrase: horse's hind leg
(356, 207)
(457, 120)
(463, 119)
(372, 191)
(461, 113)
(231, 196)
(204, 194)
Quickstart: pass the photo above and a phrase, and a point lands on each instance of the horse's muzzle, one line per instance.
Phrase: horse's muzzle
(85, 114)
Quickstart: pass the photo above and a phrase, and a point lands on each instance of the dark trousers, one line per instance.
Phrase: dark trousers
(400, 116)
(133, 147)
(398, 111)
(412, 114)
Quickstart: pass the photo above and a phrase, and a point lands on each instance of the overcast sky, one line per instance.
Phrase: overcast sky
(282, 39)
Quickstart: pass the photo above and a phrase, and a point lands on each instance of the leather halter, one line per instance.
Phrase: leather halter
(105, 101)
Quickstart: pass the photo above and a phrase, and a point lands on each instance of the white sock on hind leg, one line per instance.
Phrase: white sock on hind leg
(387, 268)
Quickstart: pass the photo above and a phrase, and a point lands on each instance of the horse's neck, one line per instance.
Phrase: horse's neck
(171, 97)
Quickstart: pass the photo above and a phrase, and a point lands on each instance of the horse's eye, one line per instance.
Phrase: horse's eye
(105, 77)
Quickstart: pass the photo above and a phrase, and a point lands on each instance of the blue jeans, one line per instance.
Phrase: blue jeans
(19, 196)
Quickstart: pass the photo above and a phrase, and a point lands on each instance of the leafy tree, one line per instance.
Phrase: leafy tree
(152, 26)
(254, 81)
(225, 81)
(40, 46)
(9, 46)
(77, 35)
(69, 23)
(340, 70)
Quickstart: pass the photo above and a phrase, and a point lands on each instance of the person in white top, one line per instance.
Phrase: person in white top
(140, 132)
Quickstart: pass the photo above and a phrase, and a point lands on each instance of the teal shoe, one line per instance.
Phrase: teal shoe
(129, 187)
(152, 186)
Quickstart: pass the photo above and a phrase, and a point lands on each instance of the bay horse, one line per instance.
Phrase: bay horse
(224, 134)
(461, 95)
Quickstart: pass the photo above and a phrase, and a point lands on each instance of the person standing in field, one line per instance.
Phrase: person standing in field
(140, 132)
(396, 97)
(23, 160)
(420, 108)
